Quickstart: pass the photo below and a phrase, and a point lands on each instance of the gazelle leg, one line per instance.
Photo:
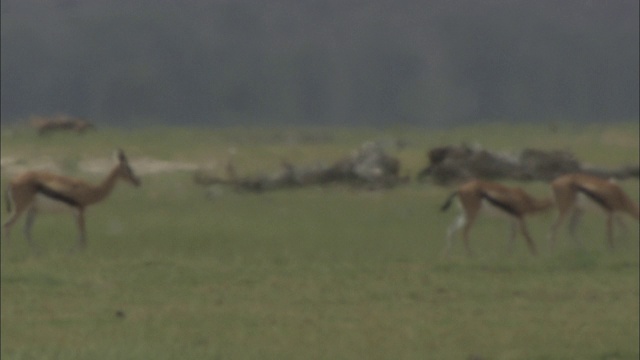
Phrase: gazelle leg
(28, 225)
(610, 229)
(6, 227)
(565, 200)
(553, 232)
(513, 229)
(623, 226)
(22, 200)
(465, 233)
(82, 237)
(525, 232)
(574, 221)
(458, 223)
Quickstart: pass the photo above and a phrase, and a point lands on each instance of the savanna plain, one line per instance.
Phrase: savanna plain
(174, 270)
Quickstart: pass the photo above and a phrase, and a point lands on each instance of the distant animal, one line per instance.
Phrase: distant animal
(47, 125)
(477, 195)
(36, 191)
(572, 193)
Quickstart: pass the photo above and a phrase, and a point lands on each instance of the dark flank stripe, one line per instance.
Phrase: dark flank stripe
(56, 195)
(505, 207)
(593, 196)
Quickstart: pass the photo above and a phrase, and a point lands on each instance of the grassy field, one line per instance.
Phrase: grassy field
(314, 273)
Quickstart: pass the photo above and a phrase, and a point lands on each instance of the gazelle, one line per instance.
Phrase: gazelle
(569, 191)
(46, 125)
(513, 202)
(33, 191)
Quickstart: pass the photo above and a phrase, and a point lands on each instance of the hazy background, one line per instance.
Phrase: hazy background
(296, 62)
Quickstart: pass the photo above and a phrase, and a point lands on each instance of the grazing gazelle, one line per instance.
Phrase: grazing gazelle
(569, 191)
(46, 125)
(513, 202)
(31, 191)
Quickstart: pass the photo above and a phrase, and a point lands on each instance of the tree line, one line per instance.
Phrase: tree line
(291, 62)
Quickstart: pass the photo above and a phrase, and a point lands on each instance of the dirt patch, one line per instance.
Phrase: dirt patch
(13, 165)
(143, 166)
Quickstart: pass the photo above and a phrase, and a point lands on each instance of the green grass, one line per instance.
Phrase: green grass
(316, 273)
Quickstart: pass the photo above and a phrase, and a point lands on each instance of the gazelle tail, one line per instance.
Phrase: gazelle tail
(448, 202)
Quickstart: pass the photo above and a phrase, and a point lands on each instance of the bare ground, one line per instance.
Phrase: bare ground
(12, 165)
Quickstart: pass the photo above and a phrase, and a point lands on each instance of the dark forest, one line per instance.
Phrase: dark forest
(325, 62)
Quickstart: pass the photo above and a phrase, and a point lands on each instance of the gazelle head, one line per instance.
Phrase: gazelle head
(125, 171)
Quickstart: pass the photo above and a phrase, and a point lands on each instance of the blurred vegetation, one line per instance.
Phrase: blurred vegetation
(323, 62)
(315, 273)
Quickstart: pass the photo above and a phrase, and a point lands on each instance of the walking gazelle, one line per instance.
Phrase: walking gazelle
(573, 190)
(513, 202)
(35, 191)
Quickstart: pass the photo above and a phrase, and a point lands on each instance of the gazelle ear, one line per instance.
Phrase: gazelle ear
(119, 156)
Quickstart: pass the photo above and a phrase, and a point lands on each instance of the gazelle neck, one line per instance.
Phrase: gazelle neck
(103, 189)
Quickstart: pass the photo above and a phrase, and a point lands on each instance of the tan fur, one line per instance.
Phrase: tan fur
(24, 190)
(567, 190)
(514, 202)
